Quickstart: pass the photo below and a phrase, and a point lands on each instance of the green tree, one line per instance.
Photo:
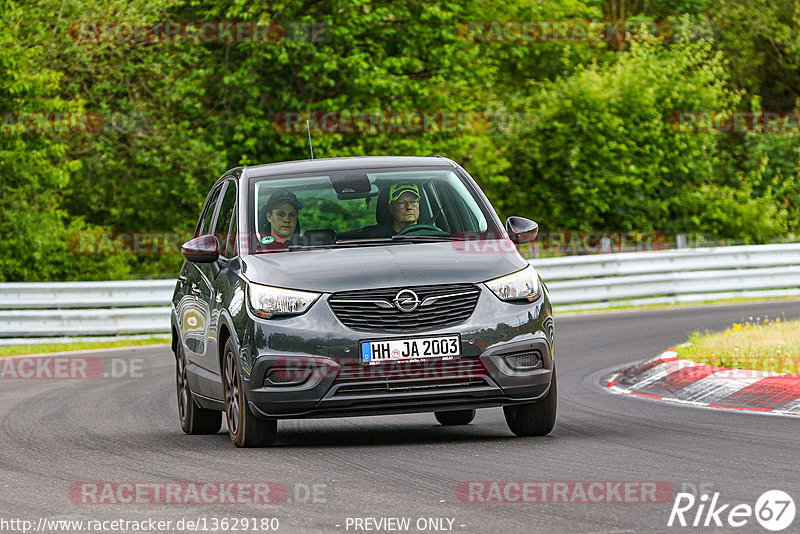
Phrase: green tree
(761, 40)
(598, 151)
(578, 134)
(35, 169)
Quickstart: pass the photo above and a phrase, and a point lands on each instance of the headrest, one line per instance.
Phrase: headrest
(319, 237)
(382, 214)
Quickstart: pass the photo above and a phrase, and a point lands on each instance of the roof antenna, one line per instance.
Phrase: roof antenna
(310, 146)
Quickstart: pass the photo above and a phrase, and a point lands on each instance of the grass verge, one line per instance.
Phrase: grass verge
(668, 306)
(762, 345)
(43, 348)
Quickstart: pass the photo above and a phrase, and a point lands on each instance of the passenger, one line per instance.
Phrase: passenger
(282, 214)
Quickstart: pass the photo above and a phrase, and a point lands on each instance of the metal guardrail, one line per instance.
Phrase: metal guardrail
(668, 261)
(85, 294)
(38, 310)
(672, 276)
(83, 322)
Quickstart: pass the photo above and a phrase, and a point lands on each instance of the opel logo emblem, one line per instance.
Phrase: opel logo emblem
(406, 301)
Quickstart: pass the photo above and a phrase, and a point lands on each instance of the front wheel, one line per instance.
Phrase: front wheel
(535, 418)
(245, 429)
(194, 419)
(456, 417)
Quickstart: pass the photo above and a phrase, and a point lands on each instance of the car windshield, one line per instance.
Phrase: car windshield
(363, 208)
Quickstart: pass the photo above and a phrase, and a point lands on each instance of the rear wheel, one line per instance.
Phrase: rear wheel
(456, 417)
(245, 429)
(535, 418)
(194, 419)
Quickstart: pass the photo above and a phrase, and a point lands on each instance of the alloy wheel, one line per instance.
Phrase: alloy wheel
(232, 408)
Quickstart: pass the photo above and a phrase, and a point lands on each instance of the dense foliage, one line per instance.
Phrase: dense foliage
(578, 135)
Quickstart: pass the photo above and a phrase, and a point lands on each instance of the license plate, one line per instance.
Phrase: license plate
(410, 349)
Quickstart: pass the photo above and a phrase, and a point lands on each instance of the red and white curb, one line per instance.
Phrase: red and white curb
(670, 378)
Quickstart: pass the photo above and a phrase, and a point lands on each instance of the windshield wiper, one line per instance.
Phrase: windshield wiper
(431, 238)
(397, 239)
(308, 247)
(366, 241)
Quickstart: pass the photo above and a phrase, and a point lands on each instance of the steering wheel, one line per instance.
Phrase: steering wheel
(415, 227)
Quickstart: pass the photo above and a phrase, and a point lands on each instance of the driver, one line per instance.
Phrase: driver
(282, 214)
(403, 205)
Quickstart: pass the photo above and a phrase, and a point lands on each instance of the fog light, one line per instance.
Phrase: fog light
(284, 376)
(524, 360)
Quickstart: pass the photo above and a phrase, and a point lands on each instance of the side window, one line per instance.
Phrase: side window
(461, 217)
(230, 245)
(204, 224)
(223, 224)
(435, 202)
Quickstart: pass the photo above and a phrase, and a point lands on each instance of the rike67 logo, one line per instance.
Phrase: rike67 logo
(774, 510)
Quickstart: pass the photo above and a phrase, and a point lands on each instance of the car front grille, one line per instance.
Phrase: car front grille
(465, 368)
(383, 390)
(373, 309)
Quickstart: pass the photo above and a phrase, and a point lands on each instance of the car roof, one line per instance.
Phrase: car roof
(344, 164)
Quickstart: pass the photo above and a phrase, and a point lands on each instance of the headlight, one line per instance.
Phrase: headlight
(268, 301)
(521, 285)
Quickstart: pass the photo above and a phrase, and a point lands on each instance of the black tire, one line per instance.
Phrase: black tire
(456, 417)
(194, 419)
(535, 418)
(245, 428)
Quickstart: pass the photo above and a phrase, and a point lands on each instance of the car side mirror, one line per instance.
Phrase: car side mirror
(521, 230)
(203, 249)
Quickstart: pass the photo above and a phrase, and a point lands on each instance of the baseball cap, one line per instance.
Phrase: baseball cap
(284, 195)
(402, 187)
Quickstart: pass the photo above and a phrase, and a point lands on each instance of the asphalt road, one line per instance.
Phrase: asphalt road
(56, 433)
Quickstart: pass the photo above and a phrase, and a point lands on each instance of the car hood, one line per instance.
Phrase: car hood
(369, 267)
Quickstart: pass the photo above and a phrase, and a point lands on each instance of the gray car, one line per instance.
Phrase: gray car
(358, 286)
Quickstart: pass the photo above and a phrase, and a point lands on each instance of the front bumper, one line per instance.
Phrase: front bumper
(324, 355)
